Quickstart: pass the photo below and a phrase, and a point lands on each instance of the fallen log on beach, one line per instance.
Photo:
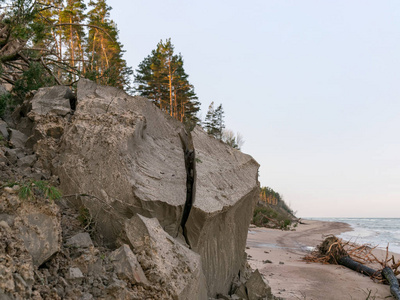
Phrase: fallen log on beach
(332, 250)
(356, 266)
(388, 274)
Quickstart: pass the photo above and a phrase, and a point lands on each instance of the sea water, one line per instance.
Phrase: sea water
(373, 231)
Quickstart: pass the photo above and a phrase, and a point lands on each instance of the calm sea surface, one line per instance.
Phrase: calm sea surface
(374, 231)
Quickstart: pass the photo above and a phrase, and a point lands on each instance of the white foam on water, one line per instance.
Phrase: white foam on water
(373, 231)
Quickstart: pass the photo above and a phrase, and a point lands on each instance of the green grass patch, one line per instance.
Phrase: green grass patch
(39, 188)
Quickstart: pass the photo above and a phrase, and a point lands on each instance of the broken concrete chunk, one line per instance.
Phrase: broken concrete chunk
(257, 288)
(74, 274)
(165, 260)
(40, 231)
(128, 154)
(3, 129)
(27, 161)
(226, 190)
(17, 138)
(126, 265)
(54, 100)
(80, 240)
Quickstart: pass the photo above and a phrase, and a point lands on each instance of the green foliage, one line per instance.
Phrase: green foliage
(266, 216)
(272, 211)
(31, 79)
(214, 121)
(162, 78)
(53, 42)
(268, 195)
(32, 189)
(5, 103)
(105, 63)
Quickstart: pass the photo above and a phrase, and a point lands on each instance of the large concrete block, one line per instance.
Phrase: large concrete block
(127, 154)
(226, 189)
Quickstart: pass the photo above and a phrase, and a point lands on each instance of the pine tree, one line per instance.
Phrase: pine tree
(162, 78)
(45, 43)
(74, 13)
(214, 122)
(209, 122)
(219, 122)
(104, 52)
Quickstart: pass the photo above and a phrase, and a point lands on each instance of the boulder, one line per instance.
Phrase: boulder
(256, 287)
(122, 157)
(127, 155)
(80, 240)
(165, 260)
(17, 138)
(27, 161)
(40, 230)
(226, 190)
(3, 129)
(127, 266)
(54, 100)
(74, 274)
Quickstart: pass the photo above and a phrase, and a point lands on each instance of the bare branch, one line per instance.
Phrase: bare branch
(50, 72)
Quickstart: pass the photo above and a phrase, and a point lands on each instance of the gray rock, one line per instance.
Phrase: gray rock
(11, 155)
(257, 288)
(166, 260)
(80, 240)
(40, 231)
(3, 129)
(54, 100)
(128, 154)
(87, 296)
(17, 138)
(15, 153)
(5, 296)
(27, 161)
(9, 219)
(74, 274)
(241, 292)
(3, 157)
(126, 265)
(226, 192)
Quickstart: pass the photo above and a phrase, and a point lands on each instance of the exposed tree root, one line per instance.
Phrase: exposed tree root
(335, 251)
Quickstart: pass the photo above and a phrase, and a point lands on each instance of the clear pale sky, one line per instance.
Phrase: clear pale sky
(313, 87)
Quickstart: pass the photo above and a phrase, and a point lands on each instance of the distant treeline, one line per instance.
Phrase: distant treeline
(269, 196)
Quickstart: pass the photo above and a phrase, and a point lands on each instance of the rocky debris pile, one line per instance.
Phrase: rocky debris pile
(149, 211)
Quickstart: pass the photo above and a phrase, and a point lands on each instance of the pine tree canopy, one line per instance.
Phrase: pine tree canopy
(162, 78)
(57, 42)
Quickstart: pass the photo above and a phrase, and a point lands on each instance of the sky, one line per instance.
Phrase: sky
(312, 86)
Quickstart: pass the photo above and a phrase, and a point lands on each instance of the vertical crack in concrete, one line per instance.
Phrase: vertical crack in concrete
(190, 165)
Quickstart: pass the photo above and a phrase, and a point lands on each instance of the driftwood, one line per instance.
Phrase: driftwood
(272, 220)
(356, 266)
(332, 250)
(393, 281)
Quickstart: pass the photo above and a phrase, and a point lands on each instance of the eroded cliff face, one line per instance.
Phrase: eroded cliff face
(180, 202)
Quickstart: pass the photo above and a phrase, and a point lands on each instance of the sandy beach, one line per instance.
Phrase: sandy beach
(292, 278)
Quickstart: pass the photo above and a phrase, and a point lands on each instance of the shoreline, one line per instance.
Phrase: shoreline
(292, 278)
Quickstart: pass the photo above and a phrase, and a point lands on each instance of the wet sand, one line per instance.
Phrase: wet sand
(292, 278)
